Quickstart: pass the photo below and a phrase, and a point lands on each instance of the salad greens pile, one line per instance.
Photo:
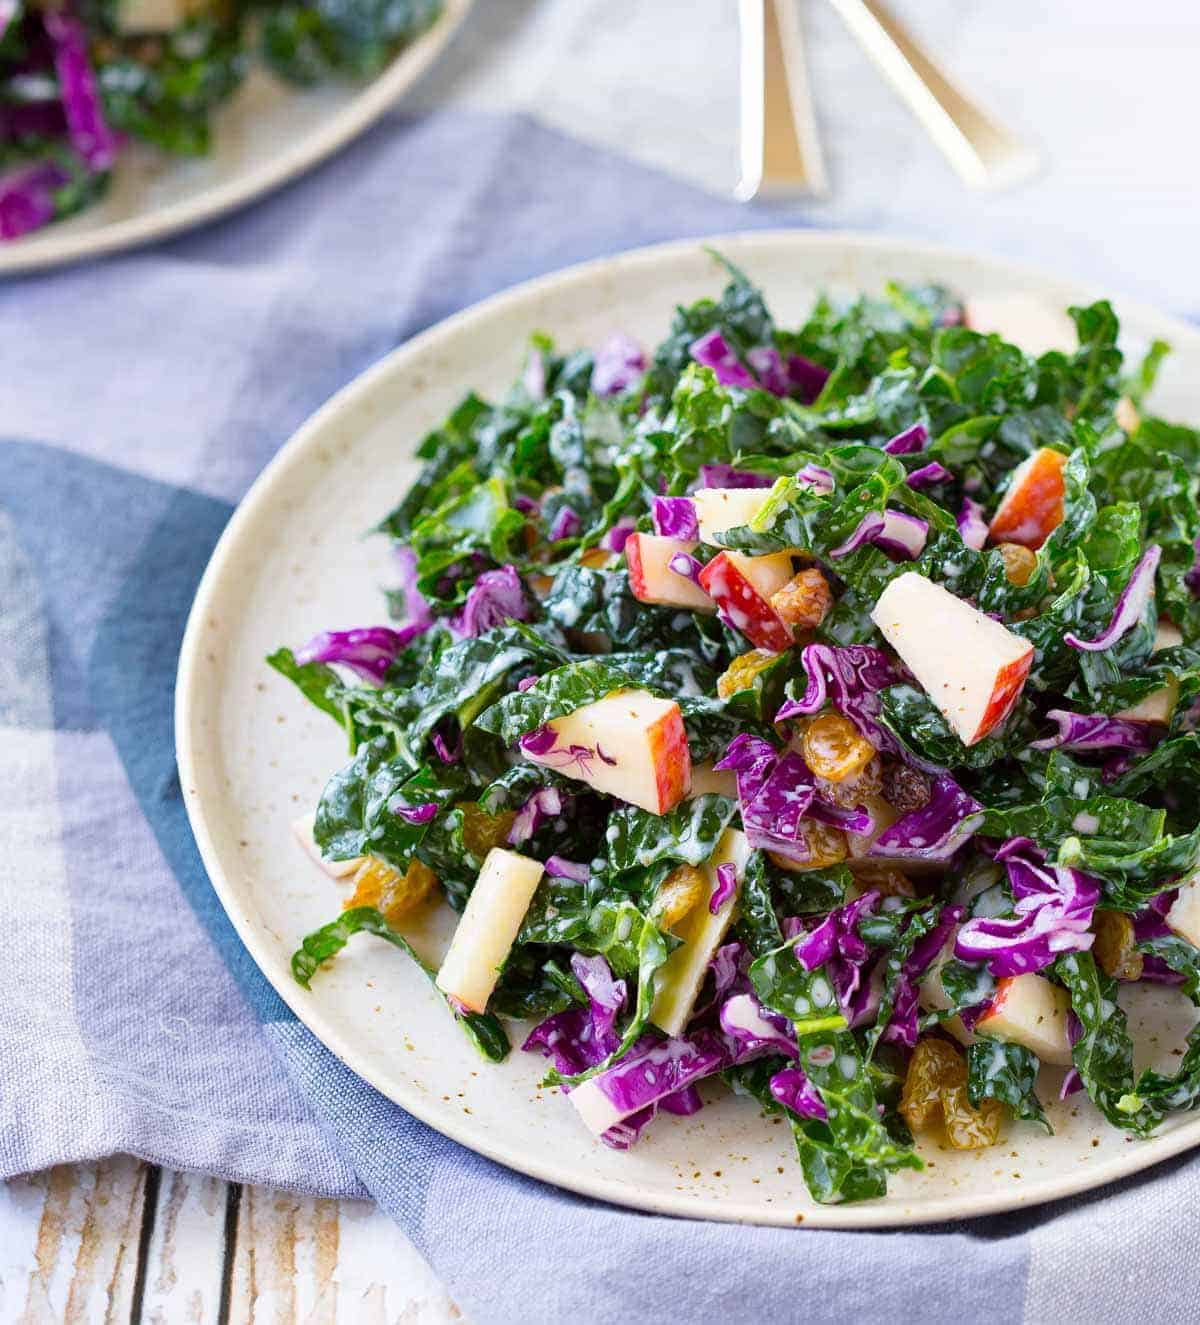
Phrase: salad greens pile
(79, 80)
(893, 914)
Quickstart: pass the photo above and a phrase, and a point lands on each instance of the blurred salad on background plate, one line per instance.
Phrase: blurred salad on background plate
(137, 117)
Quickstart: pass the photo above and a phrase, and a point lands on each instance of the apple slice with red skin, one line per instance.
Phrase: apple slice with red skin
(630, 744)
(742, 586)
(651, 579)
(1029, 1010)
(972, 667)
(1032, 508)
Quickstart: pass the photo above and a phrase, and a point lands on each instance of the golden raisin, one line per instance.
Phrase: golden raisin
(482, 831)
(678, 894)
(805, 600)
(884, 879)
(597, 558)
(740, 673)
(852, 791)
(396, 895)
(1019, 562)
(826, 846)
(1116, 946)
(834, 748)
(970, 1126)
(935, 1065)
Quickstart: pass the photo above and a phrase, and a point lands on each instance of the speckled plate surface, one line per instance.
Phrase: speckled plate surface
(253, 756)
(269, 133)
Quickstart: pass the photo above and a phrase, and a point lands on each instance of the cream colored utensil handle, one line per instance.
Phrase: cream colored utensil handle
(984, 153)
(780, 150)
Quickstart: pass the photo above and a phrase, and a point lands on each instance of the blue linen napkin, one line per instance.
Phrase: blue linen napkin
(139, 398)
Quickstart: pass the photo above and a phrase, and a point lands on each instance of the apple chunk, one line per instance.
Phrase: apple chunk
(719, 509)
(933, 997)
(1184, 915)
(651, 578)
(488, 927)
(630, 744)
(970, 666)
(678, 981)
(709, 781)
(1029, 1010)
(742, 587)
(1032, 508)
(1158, 705)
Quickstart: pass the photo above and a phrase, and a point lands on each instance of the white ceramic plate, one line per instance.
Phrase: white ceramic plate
(253, 756)
(269, 133)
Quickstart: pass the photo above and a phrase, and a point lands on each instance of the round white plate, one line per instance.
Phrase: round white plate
(253, 756)
(269, 133)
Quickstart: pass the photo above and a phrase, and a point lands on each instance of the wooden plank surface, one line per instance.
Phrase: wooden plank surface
(124, 1241)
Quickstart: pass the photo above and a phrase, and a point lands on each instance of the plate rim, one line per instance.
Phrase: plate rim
(884, 1213)
(48, 249)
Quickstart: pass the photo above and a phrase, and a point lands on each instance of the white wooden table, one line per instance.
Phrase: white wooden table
(126, 1241)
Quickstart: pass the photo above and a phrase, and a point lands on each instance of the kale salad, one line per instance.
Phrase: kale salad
(79, 80)
(804, 712)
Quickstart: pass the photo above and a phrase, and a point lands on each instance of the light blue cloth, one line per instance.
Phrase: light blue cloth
(139, 398)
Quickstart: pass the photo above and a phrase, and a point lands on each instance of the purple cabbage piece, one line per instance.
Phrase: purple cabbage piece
(445, 752)
(937, 830)
(903, 1023)
(858, 820)
(683, 563)
(836, 944)
(567, 524)
(794, 375)
(557, 867)
(618, 535)
(1054, 907)
(817, 477)
(496, 596)
(526, 505)
(726, 883)
(849, 678)
(369, 651)
(90, 135)
(911, 439)
(928, 475)
(903, 535)
(772, 813)
(769, 368)
(1149, 924)
(416, 814)
(1096, 731)
(541, 745)
(972, 527)
(675, 517)
(726, 476)
(581, 1037)
(1131, 605)
(795, 1092)
(806, 377)
(527, 682)
(27, 198)
(646, 1078)
(619, 364)
(712, 351)
(753, 1030)
(545, 803)
(726, 969)
(864, 532)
